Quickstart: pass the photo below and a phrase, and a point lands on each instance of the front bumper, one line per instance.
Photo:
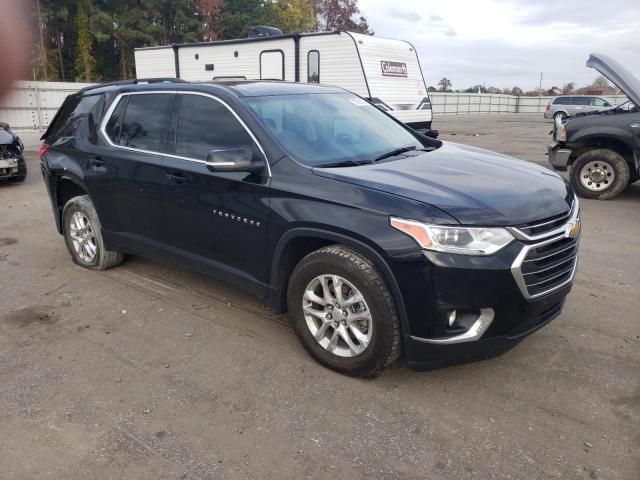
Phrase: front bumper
(495, 284)
(559, 157)
(11, 167)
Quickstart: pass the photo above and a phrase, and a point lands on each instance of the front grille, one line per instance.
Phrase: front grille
(544, 226)
(549, 265)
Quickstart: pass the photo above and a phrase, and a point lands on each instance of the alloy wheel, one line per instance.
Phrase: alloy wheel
(337, 315)
(83, 237)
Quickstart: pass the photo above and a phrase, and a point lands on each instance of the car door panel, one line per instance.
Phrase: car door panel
(136, 131)
(221, 216)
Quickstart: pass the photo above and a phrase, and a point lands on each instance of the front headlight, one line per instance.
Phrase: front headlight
(561, 131)
(462, 240)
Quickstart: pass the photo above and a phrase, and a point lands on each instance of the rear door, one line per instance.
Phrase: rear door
(220, 217)
(580, 104)
(129, 179)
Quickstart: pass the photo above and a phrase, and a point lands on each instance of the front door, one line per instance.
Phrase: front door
(221, 216)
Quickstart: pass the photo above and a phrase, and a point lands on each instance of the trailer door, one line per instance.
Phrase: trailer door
(272, 65)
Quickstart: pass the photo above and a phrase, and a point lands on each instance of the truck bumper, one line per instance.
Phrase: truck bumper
(559, 157)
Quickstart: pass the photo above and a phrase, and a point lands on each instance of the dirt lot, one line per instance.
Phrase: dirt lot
(150, 372)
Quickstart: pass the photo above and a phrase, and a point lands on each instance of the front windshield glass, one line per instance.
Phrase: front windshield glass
(329, 128)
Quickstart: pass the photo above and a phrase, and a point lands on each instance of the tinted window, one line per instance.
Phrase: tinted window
(114, 125)
(581, 101)
(145, 122)
(342, 127)
(562, 101)
(205, 124)
(598, 102)
(313, 67)
(77, 117)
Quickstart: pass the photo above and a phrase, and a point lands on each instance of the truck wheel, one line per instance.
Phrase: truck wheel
(600, 173)
(343, 312)
(83, 235)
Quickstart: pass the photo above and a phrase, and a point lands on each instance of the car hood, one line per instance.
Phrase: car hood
(620, 76)
(476, 186)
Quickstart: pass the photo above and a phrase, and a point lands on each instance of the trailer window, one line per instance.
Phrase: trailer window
(313, 66)
(272, 65)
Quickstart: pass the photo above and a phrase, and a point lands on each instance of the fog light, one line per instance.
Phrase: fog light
(452, 318)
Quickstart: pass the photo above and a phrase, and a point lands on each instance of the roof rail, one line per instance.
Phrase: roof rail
(134, 82)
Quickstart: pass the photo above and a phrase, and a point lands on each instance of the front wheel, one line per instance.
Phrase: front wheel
(83, 235)
(343, 312)
(559, 116)
(600, 173)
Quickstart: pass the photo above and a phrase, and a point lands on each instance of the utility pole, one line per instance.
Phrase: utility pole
(540, 85)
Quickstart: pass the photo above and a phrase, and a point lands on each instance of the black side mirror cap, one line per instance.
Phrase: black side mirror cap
(238, 159)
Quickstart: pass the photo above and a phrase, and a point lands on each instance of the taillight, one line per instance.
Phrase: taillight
(43, 149)
(548, 107)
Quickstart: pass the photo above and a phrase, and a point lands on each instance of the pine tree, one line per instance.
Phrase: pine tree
(85, 62)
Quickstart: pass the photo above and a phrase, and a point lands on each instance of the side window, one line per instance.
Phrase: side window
(145, 122)
(313, 66)
(598, 102)
(77, 117)
(204, 124)
(581, 101)
(114, 124)
(272, 65)
(562, 101)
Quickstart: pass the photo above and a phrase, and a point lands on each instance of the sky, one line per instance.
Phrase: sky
(507, 43)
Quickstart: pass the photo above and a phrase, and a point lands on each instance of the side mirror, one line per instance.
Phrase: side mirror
(232, 160)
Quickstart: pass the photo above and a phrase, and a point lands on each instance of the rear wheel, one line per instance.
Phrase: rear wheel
(83, 235)
(343, 312)
(600, 173)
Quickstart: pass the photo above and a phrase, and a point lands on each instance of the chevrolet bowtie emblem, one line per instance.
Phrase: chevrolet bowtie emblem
(573, 229)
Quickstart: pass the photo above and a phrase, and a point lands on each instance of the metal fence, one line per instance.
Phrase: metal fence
(466, 103)
(32, 105)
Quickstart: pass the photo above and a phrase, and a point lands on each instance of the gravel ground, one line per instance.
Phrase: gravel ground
(151, 372)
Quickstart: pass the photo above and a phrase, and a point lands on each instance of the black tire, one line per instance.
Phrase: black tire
(611, 160)
(560, 115)
(384, 346)
(104, 259)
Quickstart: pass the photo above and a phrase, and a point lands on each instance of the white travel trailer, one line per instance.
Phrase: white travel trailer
(385, 71)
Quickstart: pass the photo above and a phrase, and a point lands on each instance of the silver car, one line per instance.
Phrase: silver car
(567, 105)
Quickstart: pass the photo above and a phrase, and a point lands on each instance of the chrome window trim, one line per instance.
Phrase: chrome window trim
(574, 215)
(518, 276)
(117, 100)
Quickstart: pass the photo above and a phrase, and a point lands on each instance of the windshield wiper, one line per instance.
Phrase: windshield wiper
(395, 152)
(344, 163)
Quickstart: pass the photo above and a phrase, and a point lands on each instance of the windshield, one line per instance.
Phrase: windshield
(324, 129)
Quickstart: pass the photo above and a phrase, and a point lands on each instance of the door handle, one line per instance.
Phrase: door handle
(176, 177)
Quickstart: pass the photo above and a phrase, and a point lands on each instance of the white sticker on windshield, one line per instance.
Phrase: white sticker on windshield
(358, 102)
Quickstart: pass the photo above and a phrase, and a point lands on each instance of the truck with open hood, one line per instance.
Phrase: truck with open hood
(601, 149)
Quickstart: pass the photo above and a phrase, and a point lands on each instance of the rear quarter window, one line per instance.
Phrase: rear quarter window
(77, 118)
(562, 101)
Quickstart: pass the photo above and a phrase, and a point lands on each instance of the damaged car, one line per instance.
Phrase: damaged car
(12, 165)
(601, 149)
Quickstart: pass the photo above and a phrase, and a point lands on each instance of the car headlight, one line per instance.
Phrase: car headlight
(461, 240)
(561, 131)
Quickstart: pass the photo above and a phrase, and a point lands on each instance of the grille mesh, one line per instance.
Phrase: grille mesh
(549, 266)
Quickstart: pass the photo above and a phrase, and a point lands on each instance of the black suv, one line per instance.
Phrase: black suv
(602, 149)
(377, 240)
